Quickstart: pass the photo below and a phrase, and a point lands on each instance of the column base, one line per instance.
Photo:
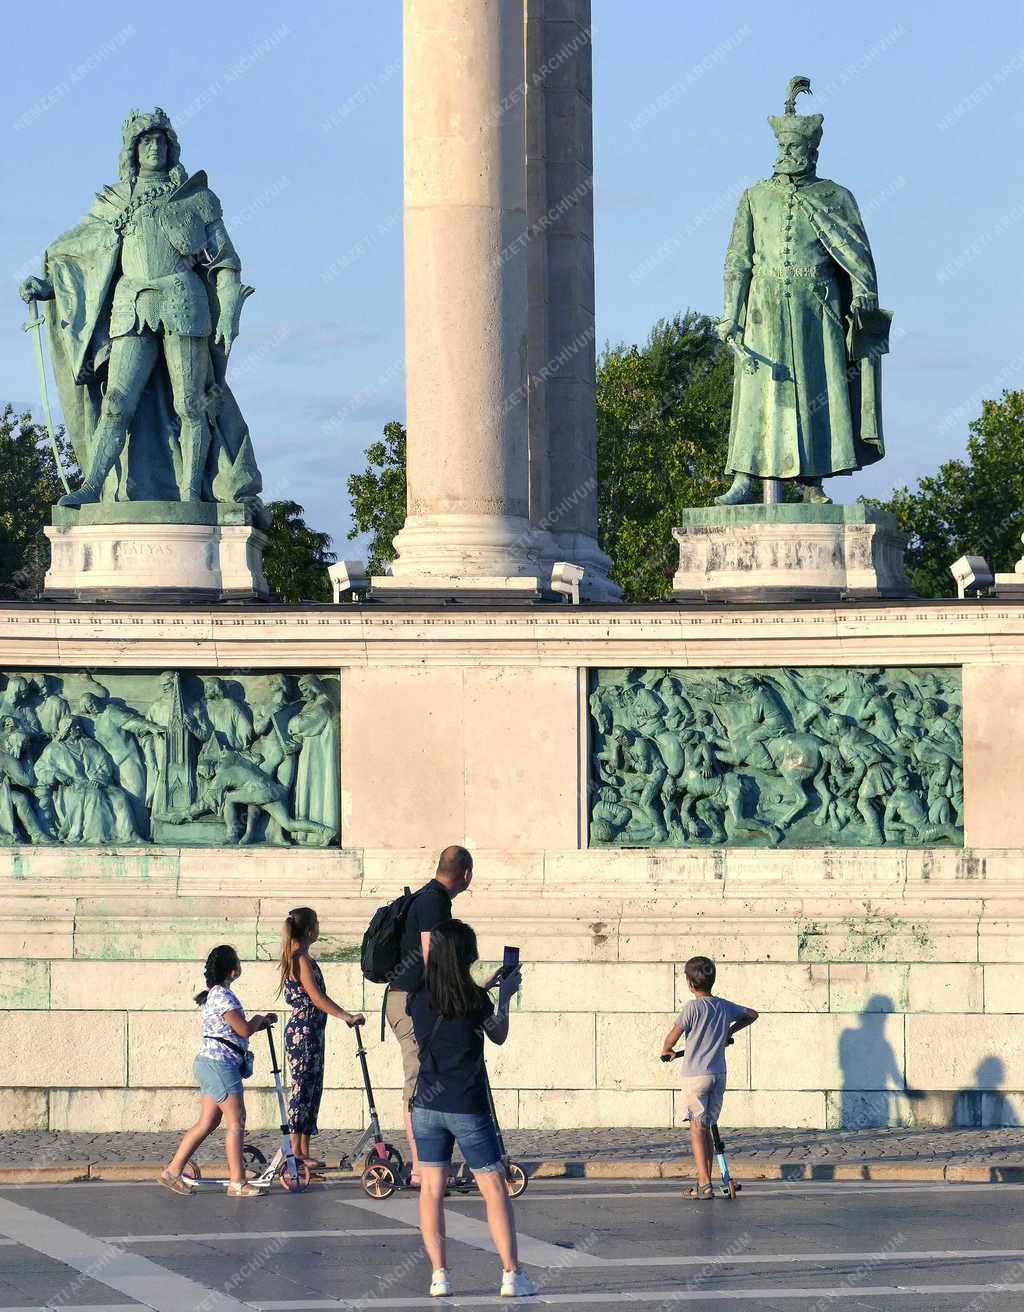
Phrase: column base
(153, 561)
(788, 553)
(471, 557)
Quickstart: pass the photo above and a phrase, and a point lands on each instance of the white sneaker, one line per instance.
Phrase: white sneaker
(440, 1284)
(517, 1284)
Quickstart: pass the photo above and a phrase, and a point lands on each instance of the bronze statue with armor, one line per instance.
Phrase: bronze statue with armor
(148, 295)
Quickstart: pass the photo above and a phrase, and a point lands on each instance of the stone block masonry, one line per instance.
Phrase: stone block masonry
(889, 979)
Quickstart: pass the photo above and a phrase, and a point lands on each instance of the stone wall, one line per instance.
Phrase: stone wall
(876, 971)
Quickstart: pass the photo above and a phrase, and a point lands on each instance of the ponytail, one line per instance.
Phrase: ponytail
(220, 964)
(299, 924)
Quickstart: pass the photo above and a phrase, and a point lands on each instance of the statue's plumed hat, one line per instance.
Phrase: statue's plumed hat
(793, 124)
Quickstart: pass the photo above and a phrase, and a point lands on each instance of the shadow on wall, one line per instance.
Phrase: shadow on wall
(875, 1090)
(874, 1084)
(984, 1105)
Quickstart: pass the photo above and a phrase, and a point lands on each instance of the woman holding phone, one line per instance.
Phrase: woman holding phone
(451, 1014)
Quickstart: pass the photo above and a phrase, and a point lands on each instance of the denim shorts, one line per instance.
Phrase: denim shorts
(436, 1134)
(217, 1079)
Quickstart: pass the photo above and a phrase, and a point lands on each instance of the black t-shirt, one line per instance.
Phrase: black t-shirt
(452, 1062)
(430, 907)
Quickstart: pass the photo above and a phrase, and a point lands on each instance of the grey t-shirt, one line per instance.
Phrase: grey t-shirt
(705, 1023)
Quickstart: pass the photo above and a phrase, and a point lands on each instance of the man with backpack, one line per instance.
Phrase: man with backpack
(395, 950)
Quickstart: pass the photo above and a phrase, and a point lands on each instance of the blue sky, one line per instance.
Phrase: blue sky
(295, 113)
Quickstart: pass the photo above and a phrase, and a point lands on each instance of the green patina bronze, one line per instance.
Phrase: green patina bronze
(784, 512)
(178, 759)
(802, 316)
(776, 758)
(146, 298)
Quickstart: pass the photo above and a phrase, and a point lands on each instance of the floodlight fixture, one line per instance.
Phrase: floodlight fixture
(972, 575)
(349, 580)
(566, 578)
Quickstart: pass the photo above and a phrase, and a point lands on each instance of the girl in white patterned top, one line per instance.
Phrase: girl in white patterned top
(217, 1068)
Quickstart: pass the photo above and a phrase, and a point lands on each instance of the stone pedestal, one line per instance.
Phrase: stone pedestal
(155, 551)
(788, 553)
(1011, 584)
(480, 724)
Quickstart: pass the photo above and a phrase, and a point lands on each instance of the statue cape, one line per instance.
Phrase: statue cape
(82, 265)
(835, 217)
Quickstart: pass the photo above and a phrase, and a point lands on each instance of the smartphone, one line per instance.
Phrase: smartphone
(509, 964)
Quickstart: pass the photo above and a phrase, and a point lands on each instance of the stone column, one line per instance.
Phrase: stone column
(560, 173)
(467, 527)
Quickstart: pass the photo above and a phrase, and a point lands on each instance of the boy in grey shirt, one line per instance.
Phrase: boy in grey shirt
(708, 1023)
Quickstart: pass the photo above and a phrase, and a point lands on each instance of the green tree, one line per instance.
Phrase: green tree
(29, 485)
(296, 557)
(378, 497)
(662, 432)
(973, 506)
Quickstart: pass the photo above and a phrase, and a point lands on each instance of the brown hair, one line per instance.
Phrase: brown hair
(451, 989)
(298, 924)
(700, 972)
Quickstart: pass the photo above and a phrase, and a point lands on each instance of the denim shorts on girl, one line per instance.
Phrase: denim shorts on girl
(436, 1134)
(217, 1079)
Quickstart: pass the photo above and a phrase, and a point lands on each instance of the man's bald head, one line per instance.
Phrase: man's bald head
(455, 868)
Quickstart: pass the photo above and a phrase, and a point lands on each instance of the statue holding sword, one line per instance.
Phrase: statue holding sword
(145, 297)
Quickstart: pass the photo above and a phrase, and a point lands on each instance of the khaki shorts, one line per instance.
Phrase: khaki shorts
(702, 1097)
(401, 1025)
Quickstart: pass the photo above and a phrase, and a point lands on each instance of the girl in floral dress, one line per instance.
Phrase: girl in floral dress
(303, 985)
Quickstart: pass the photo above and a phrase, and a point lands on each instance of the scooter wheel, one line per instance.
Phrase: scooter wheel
(191, 1171)
(253, 1161)
(516, 1180)
(731, 1189)
(379, 1180)
(392, 1156)
(295, 1183)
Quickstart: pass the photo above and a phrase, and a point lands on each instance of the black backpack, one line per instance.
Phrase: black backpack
(382, 943)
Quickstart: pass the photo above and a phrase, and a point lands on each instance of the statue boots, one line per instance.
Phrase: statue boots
(109, 441)
(811, 493)
(740, 494)
(195, 444)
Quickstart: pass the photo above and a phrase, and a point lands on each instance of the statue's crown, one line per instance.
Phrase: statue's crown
(140, 121)
(793, 124)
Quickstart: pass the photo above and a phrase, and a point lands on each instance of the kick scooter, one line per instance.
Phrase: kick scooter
(292, 1172)
(382, 1171)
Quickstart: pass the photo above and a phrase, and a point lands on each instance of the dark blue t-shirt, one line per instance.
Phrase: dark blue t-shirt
(452, 1077)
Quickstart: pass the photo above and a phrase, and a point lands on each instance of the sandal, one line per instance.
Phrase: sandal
(176, 1183)
(705, 1192)
(243, 1190)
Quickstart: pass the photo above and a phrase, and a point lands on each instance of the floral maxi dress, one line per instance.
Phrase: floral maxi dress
(304, 1041)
